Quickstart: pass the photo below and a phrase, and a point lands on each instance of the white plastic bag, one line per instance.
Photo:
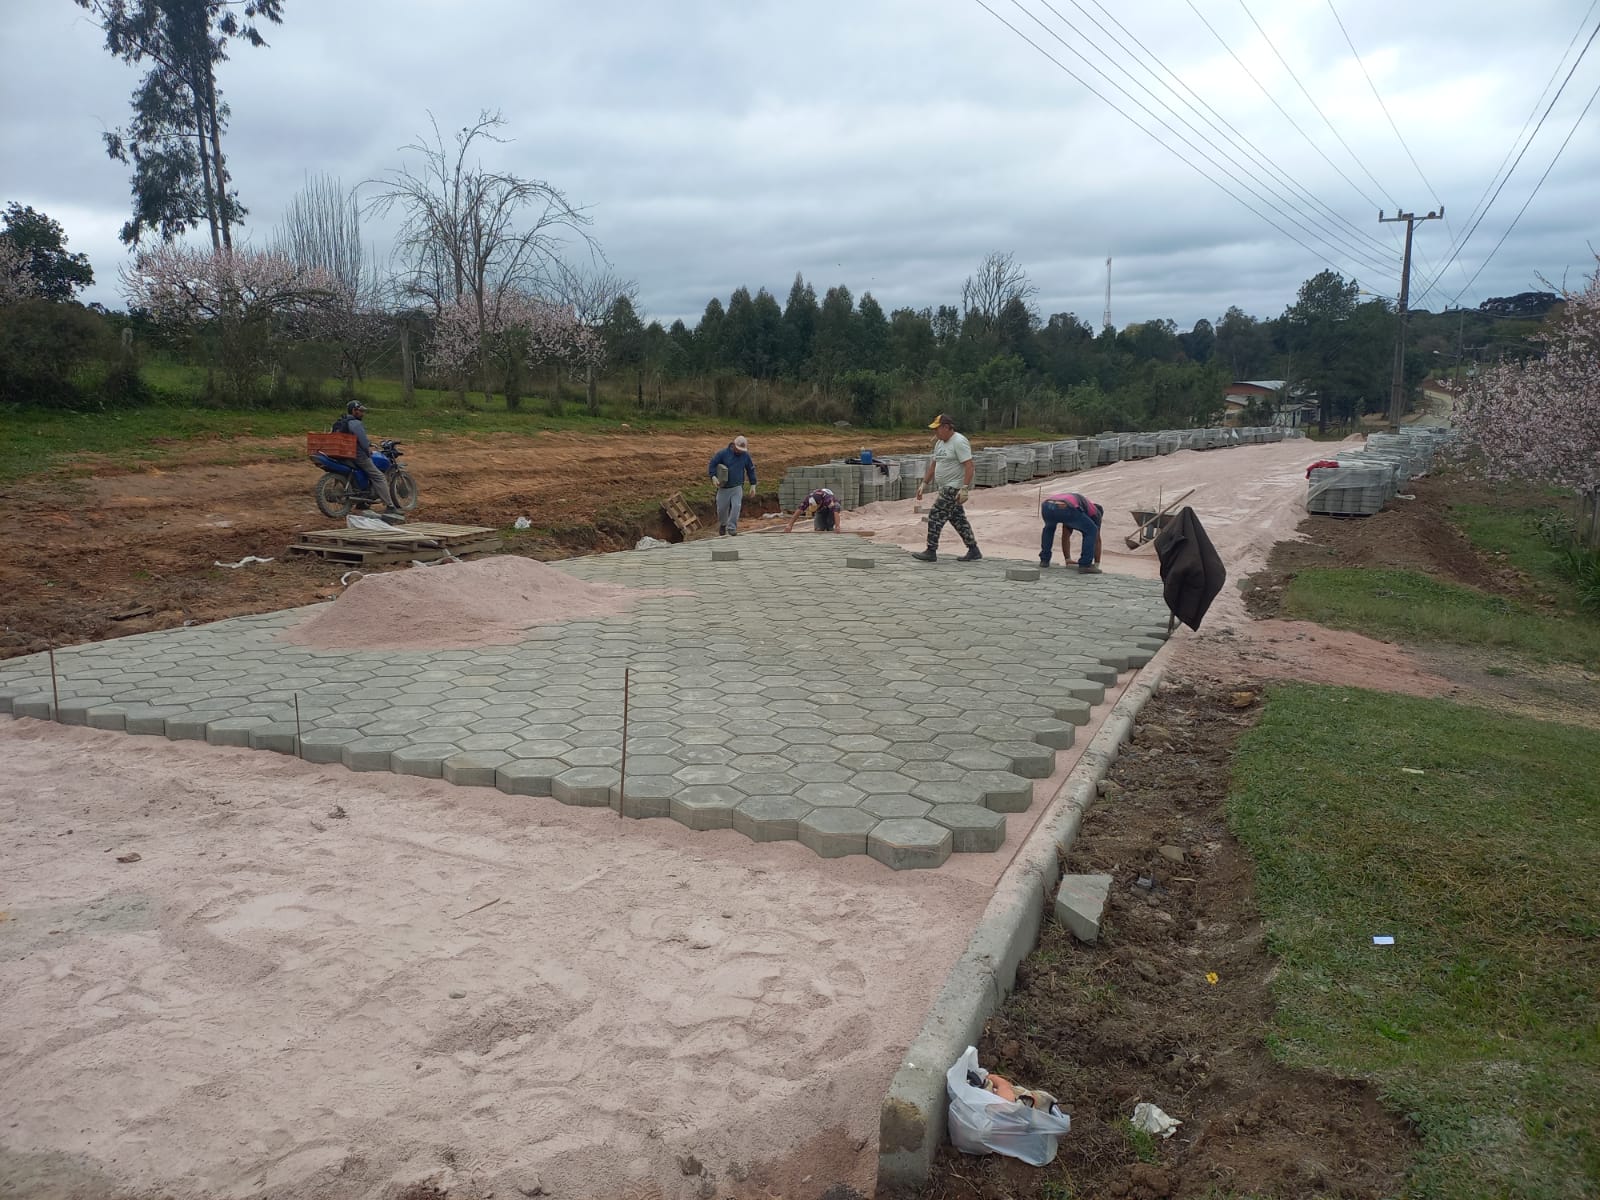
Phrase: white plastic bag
(362, 521)
(522, 523)
(981, 1122)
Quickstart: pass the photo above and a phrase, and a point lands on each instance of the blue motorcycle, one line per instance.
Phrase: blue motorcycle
(345, 486)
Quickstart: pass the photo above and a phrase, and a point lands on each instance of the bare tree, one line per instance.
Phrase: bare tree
(592, 295)
(998, 282)
(321, 229)
(473, 235)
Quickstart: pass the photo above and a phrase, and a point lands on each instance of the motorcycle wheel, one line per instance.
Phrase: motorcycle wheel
(404, 489)
(333, 495)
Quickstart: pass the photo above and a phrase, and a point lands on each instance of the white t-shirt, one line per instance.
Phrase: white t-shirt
(948, 459)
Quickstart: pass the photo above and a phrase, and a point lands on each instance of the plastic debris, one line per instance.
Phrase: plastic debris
(358, 521)
(522, 523)
(1383, 939)
(243, 562)
(1152, 1120)
(1412, 771)
(649, 543)
(348, 576)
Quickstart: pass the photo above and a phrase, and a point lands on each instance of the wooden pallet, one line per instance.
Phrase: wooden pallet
(682, 515)
(423, 541)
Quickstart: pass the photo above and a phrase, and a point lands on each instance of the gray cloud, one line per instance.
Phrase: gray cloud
(885, 146)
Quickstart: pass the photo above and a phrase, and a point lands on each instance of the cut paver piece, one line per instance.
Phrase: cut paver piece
(724, 556)
(530, 776)
(646, 796)
(1023, 574)
(860, 563)
(474, 768)
(835, 832)
(587, 787)
(909, 843)
(1080, 904)
(770, 818)
(708, 807)
(972, 827)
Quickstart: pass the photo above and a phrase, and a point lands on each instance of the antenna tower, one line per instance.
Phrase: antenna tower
(1105, 321)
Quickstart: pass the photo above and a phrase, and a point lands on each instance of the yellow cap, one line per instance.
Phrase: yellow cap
(940, 420)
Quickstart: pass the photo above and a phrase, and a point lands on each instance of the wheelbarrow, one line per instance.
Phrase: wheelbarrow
(1151, 521)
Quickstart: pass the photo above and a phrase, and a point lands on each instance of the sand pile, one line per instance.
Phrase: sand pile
(459, 605)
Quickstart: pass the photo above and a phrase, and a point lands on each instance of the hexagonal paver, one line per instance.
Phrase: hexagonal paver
(770, 818)
(885, 806)
(649, 796)
(1001, 790)
(372, 753)
(278, 736)
(707, 807)
(909, 843)
(587, 787)
(701, 774)
(530, 776)
(1028, 759)
(474, 768)
(835, 832)
(426, 759)
(831, 795)
(326, 745)
(972, 827)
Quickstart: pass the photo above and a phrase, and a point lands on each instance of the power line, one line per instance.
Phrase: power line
(1220, 123)
(1359, 253)
(1531, 195)
(1147, 132)
(1421, 174)
(1481, 210)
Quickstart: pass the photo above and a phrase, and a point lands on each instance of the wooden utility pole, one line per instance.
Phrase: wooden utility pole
(1397, 388)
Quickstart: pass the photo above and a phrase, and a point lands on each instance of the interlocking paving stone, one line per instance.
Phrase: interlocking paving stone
(909, 843)
(915, 702)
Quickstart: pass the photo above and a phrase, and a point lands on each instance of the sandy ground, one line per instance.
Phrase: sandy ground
(273, 1001)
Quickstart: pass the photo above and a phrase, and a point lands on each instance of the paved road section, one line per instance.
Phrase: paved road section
(900, 711)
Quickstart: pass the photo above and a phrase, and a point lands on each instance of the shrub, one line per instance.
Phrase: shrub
(43, 347)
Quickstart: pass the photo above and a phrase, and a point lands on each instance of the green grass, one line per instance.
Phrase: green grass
(1482, 1023)
(1414, 607)
(1509, 531)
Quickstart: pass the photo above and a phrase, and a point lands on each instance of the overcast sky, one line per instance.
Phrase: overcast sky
(890, 144)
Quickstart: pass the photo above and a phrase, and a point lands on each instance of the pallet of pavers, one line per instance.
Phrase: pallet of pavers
(424, 541)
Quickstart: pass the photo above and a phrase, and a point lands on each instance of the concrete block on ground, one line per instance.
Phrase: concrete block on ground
(277, 737)
(709, 806)
(424, 759)
(1023, 574)
(1002, 791)
(1080, 904)
(909, 843)
(860, 562)
(770, 818)
(724, 556)
(586, 787)
(474, 768)
(320, 745)
(529, 776)
(646, 796)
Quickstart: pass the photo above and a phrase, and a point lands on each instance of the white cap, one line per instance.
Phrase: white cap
(739, 443)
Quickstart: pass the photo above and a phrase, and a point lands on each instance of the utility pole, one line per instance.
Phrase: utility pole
(1105, 321)
(1397, 388)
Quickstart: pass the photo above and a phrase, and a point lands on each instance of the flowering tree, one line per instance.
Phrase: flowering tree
(247, 298)
(16, 277)
(1540, 419)
(516, 333)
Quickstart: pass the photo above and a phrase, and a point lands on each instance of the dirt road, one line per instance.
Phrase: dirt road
(77, 551)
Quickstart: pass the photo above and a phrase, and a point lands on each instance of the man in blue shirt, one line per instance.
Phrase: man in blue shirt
(731, 467)
(351, 422)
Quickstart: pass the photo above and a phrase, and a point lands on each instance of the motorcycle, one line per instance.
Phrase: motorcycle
(345, 486)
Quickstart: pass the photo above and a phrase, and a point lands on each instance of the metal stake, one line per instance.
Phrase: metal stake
(297, 752)
(55, 692)
(622, 775)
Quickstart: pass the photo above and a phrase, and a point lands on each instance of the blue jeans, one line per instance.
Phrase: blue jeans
(1055, 512)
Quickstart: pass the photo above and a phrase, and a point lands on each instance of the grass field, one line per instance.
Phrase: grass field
(1470, 837)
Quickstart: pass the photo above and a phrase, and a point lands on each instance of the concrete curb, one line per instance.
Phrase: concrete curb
(911, 1120)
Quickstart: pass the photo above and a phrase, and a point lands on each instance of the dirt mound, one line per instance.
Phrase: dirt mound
(455, 606)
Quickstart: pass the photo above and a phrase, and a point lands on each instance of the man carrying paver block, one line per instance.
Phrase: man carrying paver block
(829, 512)
(1072, 511)
(950, 471)
(731, 467)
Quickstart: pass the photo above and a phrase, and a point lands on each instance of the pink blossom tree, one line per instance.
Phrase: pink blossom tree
(251, 301)
(515, 333)
(1540, 419)
(16, 278)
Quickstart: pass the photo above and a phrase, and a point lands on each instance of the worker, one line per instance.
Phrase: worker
(1072, 511)
(829, 512)
(350, 422)
(732, 469)
(950, 471)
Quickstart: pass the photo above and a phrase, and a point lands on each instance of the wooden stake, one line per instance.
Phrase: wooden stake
(297, 753)
(622, 774)
(55, 692)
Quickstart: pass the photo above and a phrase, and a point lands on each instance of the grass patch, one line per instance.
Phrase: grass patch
(1482, 1022)
(1416, 607)
(1511, 532)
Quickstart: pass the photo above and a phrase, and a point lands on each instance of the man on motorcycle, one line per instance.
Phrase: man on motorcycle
(350, 422)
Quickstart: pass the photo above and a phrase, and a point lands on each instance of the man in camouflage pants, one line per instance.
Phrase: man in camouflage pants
(950, 470)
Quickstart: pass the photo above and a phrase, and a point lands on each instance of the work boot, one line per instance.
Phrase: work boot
(733, 533)
(1043, 563)
(973, 554)
(1091, 569)
(722, 531)
(928, 555)
(392, 515)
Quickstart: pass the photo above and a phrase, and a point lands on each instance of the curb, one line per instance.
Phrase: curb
(911, 1119)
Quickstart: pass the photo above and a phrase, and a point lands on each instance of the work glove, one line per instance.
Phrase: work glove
(919, 491)
(961, 496)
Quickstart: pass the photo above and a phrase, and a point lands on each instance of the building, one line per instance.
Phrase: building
(1291, 409)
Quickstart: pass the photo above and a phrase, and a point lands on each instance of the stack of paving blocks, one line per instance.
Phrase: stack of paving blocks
(989, 468)
(1064, 457)
(1168, 441)
(1144, 445)
(1019, 464)
(1044, 459)
(1355, 490)
(843, 479)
